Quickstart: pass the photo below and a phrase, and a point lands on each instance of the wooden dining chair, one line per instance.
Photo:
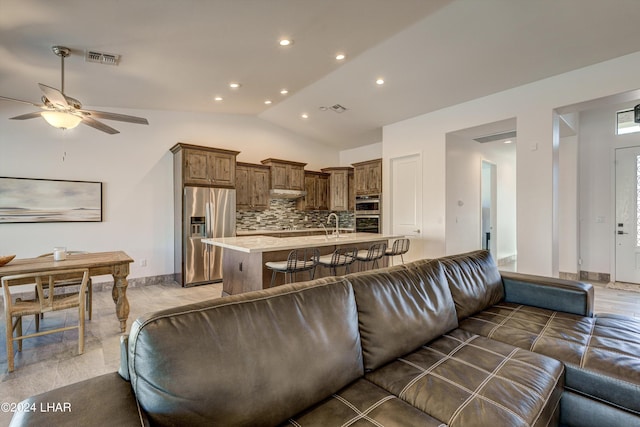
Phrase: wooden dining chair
(65, 283)
(42, 303)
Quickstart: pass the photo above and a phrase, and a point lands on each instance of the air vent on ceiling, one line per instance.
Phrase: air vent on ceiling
(101, 57)
(338, 108)
(497, 136)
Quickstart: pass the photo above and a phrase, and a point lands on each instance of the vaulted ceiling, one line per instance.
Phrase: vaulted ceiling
(180, 55)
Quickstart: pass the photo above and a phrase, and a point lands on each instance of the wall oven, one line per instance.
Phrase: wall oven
(368, 205)
(368, 214)
(368, 223)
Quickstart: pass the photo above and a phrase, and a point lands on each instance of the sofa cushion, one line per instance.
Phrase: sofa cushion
(474, 280)
(463, 379)
(259, 358)
(363, 403)
(602, 354)
(399, 310)
(568, 296)
(577, 410)
(105, 400)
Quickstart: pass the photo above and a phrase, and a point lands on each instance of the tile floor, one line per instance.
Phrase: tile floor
(52, 361)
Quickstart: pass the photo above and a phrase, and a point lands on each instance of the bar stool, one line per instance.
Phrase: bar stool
(341, 257)
(373, 254)
(399, 247)
(298, 260)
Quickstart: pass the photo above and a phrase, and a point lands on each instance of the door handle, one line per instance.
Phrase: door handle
(621, 232)
(416, 231)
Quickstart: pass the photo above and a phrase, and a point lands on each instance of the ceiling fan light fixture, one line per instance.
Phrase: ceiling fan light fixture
(61, 120)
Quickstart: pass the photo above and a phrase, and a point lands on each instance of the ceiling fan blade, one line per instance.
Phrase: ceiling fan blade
(54, 96)
(6, 98)
(118, 117)
(27, 116)
(100, 126)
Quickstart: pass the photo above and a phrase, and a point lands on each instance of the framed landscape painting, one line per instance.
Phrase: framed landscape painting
(47, 200)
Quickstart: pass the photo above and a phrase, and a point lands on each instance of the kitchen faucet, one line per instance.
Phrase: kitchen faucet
(333, 214)
(326, 232)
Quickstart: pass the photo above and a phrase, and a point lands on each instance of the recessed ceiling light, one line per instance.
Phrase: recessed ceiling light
(234, 85)
(340, 56)
(304, 115)
(508, 141)
(380, 82)
(323, 108)
(268, 101)
(284, 92)
(285, 42)
(217, 98)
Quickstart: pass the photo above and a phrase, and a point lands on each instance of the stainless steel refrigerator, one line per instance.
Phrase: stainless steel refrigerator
(207, 212)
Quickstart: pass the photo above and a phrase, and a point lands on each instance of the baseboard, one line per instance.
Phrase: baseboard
(506, 260)
(137, 282)
(594, 276)
(28, 291)
(586, 276)
(569, 276)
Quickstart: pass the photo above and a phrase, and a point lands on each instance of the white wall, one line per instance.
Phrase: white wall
(361, 154)
(568, 209)
(533, 107)
(136, 168)
(463, 195)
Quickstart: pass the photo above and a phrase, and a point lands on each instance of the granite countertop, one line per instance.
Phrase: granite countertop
(292, 231)
(257, 244)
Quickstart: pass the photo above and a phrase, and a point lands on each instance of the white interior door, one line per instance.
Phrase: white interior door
(489, 207)
(627, 215)
(406, 199)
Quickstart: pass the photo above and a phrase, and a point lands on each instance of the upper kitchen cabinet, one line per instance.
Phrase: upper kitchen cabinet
(316, 185)
(368, 177)
(339, 195)
(352, 192)
(208, 166)
(252, 186)
(286, 175)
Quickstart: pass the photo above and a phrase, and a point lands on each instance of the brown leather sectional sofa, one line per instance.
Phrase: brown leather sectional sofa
(432, 343)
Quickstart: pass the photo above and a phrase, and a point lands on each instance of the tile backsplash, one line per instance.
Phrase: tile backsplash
(283, 214)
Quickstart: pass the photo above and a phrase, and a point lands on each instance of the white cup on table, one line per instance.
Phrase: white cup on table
(59, 253)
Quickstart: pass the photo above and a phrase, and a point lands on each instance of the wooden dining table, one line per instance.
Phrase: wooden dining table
(98, 263)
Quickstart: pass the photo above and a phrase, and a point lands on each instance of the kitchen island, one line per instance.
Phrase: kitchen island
(244, 257)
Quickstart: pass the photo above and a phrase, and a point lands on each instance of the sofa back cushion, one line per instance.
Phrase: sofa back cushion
(401, 309)
(251, 359)
(474, 281)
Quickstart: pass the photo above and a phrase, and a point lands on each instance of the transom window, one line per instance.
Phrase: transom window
(625, 123)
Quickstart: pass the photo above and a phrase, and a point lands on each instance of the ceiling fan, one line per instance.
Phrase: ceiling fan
(65, 112)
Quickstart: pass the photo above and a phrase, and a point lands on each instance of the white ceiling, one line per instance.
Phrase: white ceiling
(178, 55)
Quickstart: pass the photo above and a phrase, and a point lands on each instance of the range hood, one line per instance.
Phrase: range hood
(276, 193)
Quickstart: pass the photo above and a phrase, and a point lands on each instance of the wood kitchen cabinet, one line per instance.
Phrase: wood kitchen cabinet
(208, 166)
(252, 186)
(286, 175)
(316, 184)
(339, 194)
(352, 192)
(368, 177)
